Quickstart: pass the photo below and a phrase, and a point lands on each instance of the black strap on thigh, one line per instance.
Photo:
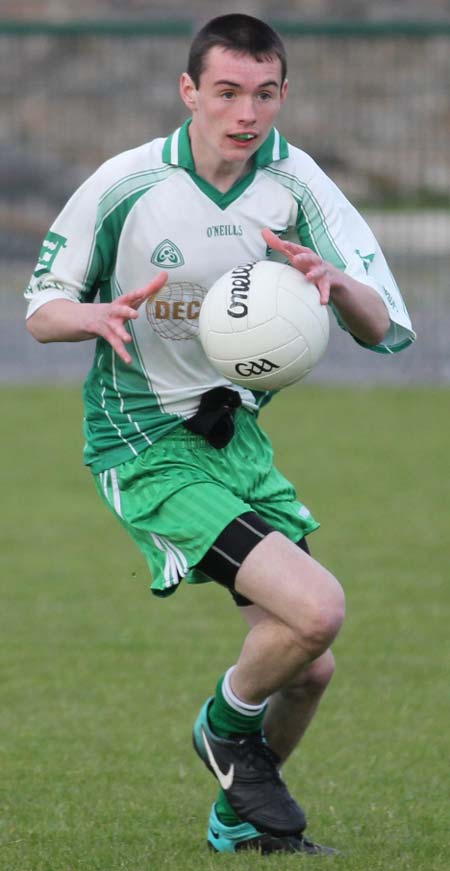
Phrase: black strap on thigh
(225, 557)
(214, 419)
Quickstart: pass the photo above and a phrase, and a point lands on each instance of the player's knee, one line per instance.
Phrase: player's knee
(312, 681)
(316, 677)
(324, 620)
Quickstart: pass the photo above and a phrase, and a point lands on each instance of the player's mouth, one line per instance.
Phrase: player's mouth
(243, 138)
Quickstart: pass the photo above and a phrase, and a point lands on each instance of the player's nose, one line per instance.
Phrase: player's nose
(247, 111)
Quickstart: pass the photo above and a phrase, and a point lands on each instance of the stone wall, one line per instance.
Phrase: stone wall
(375, 113)
(63, 10)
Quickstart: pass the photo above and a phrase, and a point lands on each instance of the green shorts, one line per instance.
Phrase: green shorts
(177, 496)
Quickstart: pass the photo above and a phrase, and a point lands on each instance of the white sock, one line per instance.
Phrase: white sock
(236, 703)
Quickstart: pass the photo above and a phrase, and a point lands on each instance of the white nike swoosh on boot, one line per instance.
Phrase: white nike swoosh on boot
(225, 780)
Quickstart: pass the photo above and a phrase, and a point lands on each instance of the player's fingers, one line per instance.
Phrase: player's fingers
(302, 262)
(303, 249)
(136, 297)
(117, 343)
(124, 312)
(289, 248)
(320, 276)
(282, 245)
(316, 272)
(155, 285)
(323, 286)
(272, 240)
(117, 329)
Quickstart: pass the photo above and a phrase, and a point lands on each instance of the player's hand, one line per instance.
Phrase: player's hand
(110, 318)
(318, 271)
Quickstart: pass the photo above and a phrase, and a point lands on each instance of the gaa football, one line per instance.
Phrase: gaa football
(262, 325)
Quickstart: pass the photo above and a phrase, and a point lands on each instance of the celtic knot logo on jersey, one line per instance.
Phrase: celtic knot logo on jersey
(255, 367)
(167, 255)
(173, 313)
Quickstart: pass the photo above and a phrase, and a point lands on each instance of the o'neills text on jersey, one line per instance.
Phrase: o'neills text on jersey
(224, 230)
(240, 286)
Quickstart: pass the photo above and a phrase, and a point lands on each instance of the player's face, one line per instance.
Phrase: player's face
(234, 107)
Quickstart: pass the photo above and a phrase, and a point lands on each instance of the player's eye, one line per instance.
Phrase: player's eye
(227, 95)
(265, 96)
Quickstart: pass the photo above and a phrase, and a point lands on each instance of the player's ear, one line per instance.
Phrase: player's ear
(284, 90)
(188, 91)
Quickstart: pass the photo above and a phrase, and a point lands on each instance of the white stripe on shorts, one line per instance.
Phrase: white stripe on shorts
(116, 492)
(176, 566)
(104, 481)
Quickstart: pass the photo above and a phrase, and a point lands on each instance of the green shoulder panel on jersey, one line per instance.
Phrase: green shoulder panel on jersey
(113, 209)
(312, 227)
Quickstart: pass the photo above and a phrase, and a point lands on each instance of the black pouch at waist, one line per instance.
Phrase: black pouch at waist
(214, 419)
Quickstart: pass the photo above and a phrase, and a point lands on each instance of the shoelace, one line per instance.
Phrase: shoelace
(256, 753)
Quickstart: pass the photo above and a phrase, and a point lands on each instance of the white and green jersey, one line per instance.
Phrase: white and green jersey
(147, 210)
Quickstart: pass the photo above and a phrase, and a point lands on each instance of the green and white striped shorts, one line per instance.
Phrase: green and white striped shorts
(177, 496)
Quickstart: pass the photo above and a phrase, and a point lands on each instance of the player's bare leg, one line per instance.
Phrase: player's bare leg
(304, 609)
(301, 610)
(291, 709)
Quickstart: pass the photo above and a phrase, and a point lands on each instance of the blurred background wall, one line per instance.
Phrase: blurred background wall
(369, 99)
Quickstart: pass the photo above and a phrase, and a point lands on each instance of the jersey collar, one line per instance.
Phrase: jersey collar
(177, 149)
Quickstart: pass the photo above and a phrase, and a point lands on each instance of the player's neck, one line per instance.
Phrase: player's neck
(222, 176)
(225, 180)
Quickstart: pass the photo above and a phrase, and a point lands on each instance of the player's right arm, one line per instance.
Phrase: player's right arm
(63, 320)
(77, 258)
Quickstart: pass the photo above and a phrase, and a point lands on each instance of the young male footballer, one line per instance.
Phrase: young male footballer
(175, 450)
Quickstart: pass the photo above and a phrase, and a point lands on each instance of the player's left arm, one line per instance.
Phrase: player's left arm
(360, 307)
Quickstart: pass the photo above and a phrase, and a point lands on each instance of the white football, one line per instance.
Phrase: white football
(262, 325)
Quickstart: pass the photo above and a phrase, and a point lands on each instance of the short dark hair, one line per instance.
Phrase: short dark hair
(239, 33)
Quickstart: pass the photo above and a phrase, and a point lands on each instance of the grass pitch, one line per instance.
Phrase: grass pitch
(101, 681)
